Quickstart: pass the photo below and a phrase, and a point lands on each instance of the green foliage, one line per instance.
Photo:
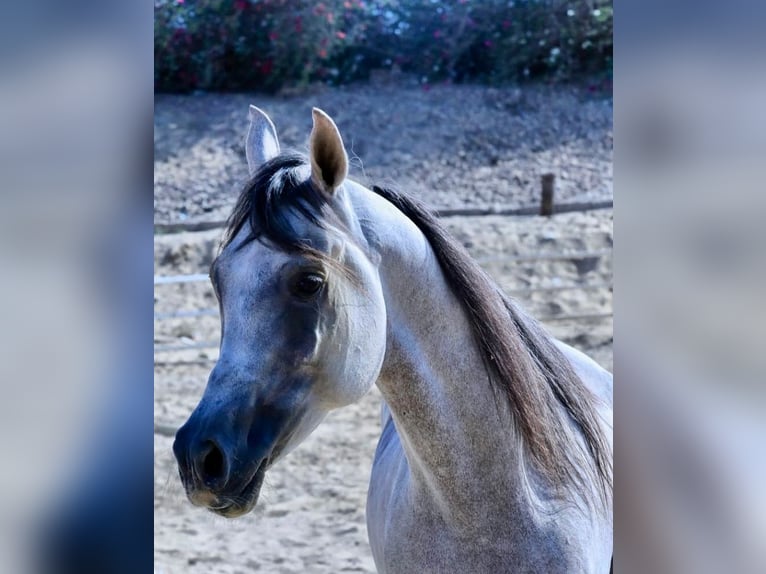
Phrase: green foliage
(269, 44)
(239, 44)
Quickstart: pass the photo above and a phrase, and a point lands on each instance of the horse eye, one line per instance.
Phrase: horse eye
(308, 285)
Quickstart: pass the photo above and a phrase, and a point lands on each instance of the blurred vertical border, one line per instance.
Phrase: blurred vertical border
(76, 289)
(690, 278)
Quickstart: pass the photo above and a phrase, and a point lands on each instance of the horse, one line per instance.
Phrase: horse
(495, 453)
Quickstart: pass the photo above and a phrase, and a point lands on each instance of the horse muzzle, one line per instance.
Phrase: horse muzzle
(224, 449)
(215, 475)
(231, 504)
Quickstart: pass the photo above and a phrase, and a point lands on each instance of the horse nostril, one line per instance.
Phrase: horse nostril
(213, 465)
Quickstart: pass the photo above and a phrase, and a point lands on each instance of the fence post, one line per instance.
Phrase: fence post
(546, 203)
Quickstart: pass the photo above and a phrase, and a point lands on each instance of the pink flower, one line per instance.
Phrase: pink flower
(341, 35)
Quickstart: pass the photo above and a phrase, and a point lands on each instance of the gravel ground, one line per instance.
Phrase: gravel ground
(452, 145)
(455, 146)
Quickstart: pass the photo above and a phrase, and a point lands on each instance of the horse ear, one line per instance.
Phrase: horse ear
(261, 143)
(329, 162)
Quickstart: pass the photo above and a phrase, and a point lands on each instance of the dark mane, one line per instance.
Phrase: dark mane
(524, 364)
(269, 196)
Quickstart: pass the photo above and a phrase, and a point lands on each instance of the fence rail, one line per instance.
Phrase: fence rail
(549, 319)
(201, 345)
(576, 206)
(173, 279)
(582, 259)
(522, 257)
(192, 313)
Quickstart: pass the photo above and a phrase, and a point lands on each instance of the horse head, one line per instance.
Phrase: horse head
(303, 320)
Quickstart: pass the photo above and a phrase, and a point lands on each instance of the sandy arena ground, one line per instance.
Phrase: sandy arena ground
(310, 518)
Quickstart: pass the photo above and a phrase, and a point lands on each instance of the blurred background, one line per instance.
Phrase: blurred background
(75, 295)
(268, 45)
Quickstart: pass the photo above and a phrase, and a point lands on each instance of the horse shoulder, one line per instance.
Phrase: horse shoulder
(408, 534)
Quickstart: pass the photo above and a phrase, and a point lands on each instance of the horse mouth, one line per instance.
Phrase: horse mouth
(239, 504)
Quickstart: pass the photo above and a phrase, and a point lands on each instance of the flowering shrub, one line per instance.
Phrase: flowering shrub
(240, 44)
(501, 40)
(268, 44)
(560, 38)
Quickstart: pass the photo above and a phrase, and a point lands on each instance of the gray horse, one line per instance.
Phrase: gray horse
(495, 453)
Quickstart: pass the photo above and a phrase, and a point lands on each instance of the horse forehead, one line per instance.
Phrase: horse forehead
(251, 261)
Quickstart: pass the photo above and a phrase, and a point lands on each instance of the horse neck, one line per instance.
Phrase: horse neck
(457, 434)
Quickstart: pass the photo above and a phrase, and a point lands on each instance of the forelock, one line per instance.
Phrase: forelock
(278, 194)
(278, 191)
